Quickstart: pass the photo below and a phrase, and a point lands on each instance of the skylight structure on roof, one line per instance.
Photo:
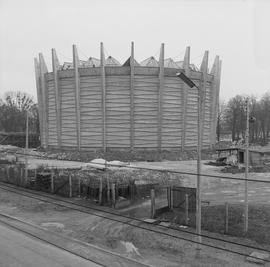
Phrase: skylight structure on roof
(110, 61)
(150, 62)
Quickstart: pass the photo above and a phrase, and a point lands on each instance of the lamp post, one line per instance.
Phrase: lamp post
(191, 84)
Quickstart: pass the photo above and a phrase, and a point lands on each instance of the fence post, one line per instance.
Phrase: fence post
(153, 206)
(186, 209)
(16, 175)
(70, 185)
(21, 175)
(108, 190)
(169, 197)
(79, 186)
(7, 171)
(226, 218)
(113, 195)
(100, 191)
(52, 181)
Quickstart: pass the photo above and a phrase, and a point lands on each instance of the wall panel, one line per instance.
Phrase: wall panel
(207, 116)
(145, 111)
(172, 112)
(91, 111)
(118, 111)
(52, 129)
(68, 111)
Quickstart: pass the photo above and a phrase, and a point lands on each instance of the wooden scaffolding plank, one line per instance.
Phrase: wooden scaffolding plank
(185, 96)
(103, 87)
(55, 66)
(160, 95)
(203, 69)
(39, 98)
(132, 97)
(214, 72)
(43, 70)
(77, 94)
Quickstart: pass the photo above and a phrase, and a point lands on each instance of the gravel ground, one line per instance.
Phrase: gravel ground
(143, 245)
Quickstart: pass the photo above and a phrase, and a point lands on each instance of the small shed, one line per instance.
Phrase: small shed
(257, 156)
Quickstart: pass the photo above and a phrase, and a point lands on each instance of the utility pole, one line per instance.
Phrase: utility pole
(246, 167)
(26, 146)
(199, 158)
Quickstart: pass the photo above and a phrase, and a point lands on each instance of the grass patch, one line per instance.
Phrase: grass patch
(213, 219)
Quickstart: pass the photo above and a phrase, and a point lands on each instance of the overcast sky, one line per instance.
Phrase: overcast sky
(237, 31)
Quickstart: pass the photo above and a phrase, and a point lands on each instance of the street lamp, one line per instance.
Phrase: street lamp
(249, 119)
(191, 84)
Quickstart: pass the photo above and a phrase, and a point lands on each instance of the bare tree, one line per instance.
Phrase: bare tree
(235, 116)
(13, 108)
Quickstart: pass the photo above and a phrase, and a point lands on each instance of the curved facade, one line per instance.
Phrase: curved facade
(106, 106)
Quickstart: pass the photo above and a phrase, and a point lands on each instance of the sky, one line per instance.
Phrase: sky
(237, 31)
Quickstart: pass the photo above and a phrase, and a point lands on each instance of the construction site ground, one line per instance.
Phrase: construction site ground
(148, 247)
(215, 193)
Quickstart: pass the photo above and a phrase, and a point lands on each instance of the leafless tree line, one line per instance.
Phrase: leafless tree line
(232, 118)
(13, 109)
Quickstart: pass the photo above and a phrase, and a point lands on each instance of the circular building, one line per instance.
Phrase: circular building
(102, 104)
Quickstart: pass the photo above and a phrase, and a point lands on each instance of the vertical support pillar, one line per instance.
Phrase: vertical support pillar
(184, 97)
(203, 69)
(160, 96)
(79, 186)
(214, 100)
(199, 152)
(169, 198)
(132, 97)
(226, 227)
(39, 99)
(218, 89)
(186, 209)
(113, 196)
(43, 70)
(52, 181)
(103, 87)
(246, 166)
(70, 185)
(108, 190)
(77, 96)
(55, 67)
(100, 191)
(26, 146)
(21, 175)
(153, 204)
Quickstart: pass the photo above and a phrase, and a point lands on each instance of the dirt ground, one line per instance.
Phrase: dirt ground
(217, 190)
(142, 245)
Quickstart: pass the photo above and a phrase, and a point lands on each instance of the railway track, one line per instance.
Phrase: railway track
(106, 213)
(38, 233)
(86, 251)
